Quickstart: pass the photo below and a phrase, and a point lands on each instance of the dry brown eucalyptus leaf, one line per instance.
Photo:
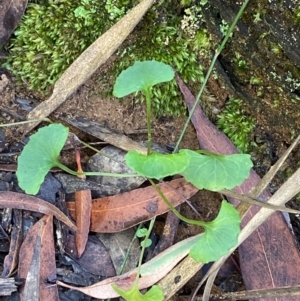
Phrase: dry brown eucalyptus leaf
(16, 200)
(37, 262)
(122, 211)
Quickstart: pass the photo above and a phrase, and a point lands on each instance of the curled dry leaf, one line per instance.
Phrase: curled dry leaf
(16, 200)
(83, 207)
(122, 211)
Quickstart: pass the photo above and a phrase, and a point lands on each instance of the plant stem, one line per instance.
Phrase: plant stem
(94, 173)
(127, 253)
(128, 250)
(107, 174)
(217, 52)
(26, 121)
(148, 102)
(142, 252)
(187, 220)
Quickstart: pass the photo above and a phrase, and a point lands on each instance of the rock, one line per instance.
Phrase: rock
(111, 160)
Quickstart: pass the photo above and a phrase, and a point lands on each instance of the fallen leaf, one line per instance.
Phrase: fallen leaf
(122, 211)
(11, 12)
(22, 201)
(104, 133)
(117, 244)
(83, 207)
(95, 259)
(31, 273)
(11, 260)
(286, 291)
(168, 236)
(37, 262)
(261, 253)
(88, 62)
(151, 272)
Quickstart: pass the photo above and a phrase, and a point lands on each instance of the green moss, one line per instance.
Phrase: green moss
(297, 15)
(53, 34)
(175, 40)
(235, 122)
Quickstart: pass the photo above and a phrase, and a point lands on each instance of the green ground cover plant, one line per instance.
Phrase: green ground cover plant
(203, 169)
(155, 293)
(235, 123)
(212, 172)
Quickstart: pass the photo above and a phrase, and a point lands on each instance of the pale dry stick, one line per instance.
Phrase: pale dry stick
(286, 291)
(249, 200)
(103, 133)
(88, 62)
(243, 207)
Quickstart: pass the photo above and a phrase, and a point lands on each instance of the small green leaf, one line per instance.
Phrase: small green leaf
(154, 294)
(39, 155)
(157, 165)
(146, 243)
(216, 172)
(141, 77)
(141, 232)
(220, 235)
(170, 257)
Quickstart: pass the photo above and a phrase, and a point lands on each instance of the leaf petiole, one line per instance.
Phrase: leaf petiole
(148, 102)
(183, 218)
(94, 173)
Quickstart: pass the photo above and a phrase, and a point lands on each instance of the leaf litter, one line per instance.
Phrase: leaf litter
(37, 262)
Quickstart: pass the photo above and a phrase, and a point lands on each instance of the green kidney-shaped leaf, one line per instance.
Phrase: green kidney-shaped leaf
(216, 172)
(142, 76)
(39, 155)
(220, 235)
(155, 165)
(154, 294)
